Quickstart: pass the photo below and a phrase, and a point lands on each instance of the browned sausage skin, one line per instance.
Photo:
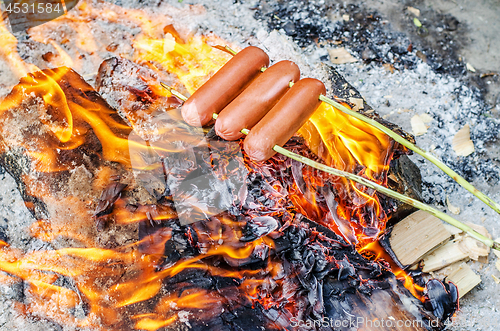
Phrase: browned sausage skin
(224, 86)
(256, 100)
(284, 119)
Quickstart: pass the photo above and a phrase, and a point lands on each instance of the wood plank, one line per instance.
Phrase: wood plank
(416, 235)
(465, 279)
(461, 275)
(443, 256)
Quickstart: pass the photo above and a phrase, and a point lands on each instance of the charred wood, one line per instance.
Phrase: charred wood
(63, 151)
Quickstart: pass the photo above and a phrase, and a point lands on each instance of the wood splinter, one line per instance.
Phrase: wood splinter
(421, 241)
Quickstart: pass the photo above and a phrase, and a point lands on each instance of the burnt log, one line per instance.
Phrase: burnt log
(63, 144)
(135, 91)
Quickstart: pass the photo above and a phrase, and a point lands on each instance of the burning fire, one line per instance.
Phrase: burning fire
(118, 283)
(375, 251)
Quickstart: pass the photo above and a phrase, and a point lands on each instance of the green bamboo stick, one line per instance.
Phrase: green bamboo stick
(384, 190)
(390, 193)
(459, 179)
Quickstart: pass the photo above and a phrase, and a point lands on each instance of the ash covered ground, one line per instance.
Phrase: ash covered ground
(399, 81)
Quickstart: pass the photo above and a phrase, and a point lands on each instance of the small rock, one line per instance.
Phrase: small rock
(368, 54)
(289, 28)
(413, 10)
(470, 67)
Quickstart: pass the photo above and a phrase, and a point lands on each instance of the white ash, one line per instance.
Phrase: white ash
(184, 317)
(447, 100)
(14, 222)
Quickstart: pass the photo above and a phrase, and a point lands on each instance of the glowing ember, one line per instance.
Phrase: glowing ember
(376, 252)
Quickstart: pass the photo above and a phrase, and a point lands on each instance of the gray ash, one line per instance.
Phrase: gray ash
(377, 42)
(363, 32)
(304, 25)
(368, 34)
(484, 130)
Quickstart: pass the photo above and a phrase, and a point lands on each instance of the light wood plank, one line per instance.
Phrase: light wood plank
(416, 235)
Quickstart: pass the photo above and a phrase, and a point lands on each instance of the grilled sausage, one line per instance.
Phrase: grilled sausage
(284, 119)
(224, 86)
(256, 100)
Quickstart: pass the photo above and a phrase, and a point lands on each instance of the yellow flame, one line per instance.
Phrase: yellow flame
(8, 52)
(348, 141)
(65, 58)
(192, 62)
(150, 324)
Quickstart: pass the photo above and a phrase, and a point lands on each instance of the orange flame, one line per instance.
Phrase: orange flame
(375, 251)
(110, 280)
(349, 142)
(8, 53)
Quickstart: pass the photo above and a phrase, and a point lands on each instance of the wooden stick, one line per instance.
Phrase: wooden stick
(384, 190)
(459, 179)
(174, 92)
(390, 193)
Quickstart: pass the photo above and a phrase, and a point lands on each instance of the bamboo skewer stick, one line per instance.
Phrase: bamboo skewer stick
(390, 193)
(459, 179)
(456, 177)
(174, 92)
(361, 180)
